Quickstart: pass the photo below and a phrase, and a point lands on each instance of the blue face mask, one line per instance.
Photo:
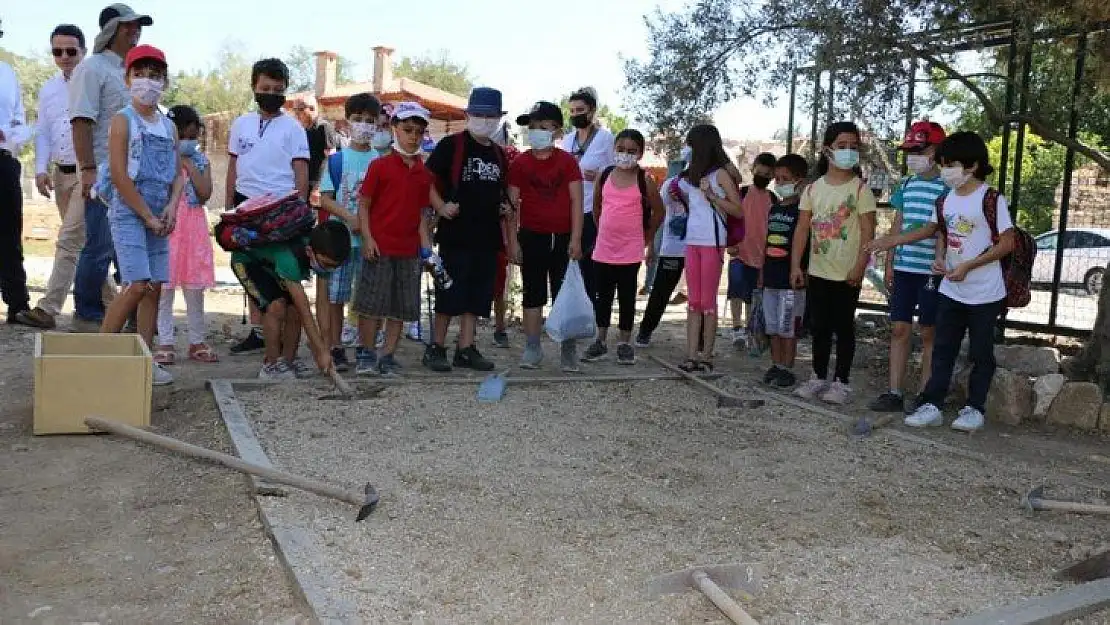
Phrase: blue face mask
(845, 159)
(187, 146)
(540, 139)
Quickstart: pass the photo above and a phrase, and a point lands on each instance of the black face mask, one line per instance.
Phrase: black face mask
(269, 102)
(580, 121)
(761, 181)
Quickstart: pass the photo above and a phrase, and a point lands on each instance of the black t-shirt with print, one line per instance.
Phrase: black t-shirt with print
(782, 221)
(479, 194)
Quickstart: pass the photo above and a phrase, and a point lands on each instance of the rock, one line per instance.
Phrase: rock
(1045, 389)
(1104, 425)
(1010, 399)
(1030, 360)
(1077, 405)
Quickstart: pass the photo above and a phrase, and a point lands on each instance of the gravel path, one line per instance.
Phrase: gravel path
(558, 504)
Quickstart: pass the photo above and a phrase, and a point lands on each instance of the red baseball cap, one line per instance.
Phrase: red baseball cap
(923, 134)
(139, 53)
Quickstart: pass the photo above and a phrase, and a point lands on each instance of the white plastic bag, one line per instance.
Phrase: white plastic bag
(572, 315)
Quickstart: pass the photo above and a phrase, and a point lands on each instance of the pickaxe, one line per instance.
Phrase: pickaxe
(1035, 501)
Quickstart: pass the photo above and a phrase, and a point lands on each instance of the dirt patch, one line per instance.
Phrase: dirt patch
(560, 503)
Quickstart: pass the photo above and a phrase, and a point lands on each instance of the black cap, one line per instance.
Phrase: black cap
(542, 111)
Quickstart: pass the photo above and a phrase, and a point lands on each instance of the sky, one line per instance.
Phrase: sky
(492, 37)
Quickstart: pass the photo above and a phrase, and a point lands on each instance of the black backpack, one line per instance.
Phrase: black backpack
(641, 180)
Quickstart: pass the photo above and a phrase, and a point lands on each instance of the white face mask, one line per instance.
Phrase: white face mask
(362, 132)
(147, 91)
(624, 160)
(786, 190)
(397, 148)
(954, 177)
(919, 163)
(381, 139)
(483, 127)
(540, 139)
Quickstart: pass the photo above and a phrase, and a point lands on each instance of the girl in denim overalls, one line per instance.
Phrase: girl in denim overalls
(144, 185)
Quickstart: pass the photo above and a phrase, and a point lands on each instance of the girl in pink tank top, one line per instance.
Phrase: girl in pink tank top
(628, 210)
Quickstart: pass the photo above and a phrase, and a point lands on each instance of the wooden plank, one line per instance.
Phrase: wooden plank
(300, 551)
(510, 379)
(69, 344)
(1054, 609)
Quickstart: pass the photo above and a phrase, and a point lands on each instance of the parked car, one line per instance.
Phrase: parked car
(1086, 254)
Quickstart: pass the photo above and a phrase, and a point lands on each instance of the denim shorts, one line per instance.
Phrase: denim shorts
(912, 296)
(742, 280)
(140, 254)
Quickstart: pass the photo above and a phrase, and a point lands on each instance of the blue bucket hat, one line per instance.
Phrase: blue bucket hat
(485, 101)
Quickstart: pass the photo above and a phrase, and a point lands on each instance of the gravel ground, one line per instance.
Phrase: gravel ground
(558, 504)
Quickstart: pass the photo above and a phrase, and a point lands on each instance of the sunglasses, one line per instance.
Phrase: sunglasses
(66, 51)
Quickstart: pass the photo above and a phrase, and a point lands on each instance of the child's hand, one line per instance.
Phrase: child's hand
(649, 254)
(939, 266)
(323, 361)
(574, 250)
(880, 244)
(797, 278)
(370, 249)
(450, 210)
(959, 273)
(154, 224)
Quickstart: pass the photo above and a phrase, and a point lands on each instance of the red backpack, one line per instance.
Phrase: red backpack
(1017, 266)
(263, 220)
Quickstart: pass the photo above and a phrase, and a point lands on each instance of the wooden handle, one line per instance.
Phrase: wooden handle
(720, 598)
(1071, 506)
(273, 475)
(689, 376)
(341, 384)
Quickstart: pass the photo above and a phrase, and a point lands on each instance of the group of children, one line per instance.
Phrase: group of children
(795, 244)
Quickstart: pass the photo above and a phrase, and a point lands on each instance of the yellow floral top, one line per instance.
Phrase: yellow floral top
(835, 227)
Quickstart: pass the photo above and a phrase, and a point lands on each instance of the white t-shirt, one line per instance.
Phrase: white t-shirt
(265, 151)
(599, 155)
(969, 235)
(671, 245)
(705, 225)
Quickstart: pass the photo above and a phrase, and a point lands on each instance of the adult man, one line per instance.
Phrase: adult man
(56, 172)
(592, 145)
(323, 140)
(469, 231)
(96, 93)
(14, 132)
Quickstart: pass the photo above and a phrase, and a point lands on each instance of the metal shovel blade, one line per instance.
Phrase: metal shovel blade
(743, 578)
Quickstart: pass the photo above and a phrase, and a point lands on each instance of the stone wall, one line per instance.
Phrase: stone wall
(1090, 199)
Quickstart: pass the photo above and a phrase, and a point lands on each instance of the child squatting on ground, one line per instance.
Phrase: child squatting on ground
(142, 184)
(339, 187)
(973, 289)
(394, 229)
(191, 264)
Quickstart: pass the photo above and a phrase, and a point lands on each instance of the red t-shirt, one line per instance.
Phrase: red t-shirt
(398, 195)
(545, 190)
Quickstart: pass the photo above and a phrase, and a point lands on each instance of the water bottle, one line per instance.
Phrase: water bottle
(439, 274)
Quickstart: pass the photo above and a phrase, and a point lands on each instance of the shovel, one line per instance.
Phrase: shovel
(709, 580)
(1034, 500)
(492, 388)
(344, 390)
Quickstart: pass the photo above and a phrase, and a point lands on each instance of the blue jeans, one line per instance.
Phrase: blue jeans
(92, 264)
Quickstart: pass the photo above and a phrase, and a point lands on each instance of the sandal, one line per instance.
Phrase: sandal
(705, 366)
(165, 355)
(202, 353)
(689, 365)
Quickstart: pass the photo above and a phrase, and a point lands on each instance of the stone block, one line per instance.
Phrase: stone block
(1045, 389)
(1077, 405)
(1031, 360)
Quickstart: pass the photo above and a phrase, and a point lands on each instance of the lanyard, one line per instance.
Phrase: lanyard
(263, 124)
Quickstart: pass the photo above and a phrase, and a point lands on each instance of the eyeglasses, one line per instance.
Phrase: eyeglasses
(66, 51)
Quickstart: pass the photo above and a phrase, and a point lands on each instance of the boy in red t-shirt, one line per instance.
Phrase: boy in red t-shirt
(394, 230)
(546, 183)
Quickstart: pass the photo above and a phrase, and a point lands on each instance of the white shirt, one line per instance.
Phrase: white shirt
(265, 151)
(705, 226)
(13, 119)
(53, 132)
(671, 245)
(599, 155)
(969, 235)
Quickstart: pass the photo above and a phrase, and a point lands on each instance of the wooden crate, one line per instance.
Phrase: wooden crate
(80, 375)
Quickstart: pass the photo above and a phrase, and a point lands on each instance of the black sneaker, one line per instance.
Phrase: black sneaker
(888, 402)
(771, 375)
(339, 359)
(388, 366)
(784, 378)
(501, 340)
(471, 358)
(252, 343)
(643, 340)
(435, 358)
(595, 352)
(626, 355)
(913, 403)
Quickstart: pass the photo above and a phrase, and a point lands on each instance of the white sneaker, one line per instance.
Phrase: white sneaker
(812, 388)
(160, 376)
(969, 420)
(740, 338)
(349, 336)
(926, 416)
(838, 393)
(276, 371)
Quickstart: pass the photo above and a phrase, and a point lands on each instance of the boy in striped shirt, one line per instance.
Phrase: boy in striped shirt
(910, 277)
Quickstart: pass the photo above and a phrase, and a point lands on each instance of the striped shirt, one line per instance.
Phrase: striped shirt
(916, 199)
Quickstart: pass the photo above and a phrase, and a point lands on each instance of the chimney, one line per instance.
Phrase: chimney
(383, 69)
(325, 72)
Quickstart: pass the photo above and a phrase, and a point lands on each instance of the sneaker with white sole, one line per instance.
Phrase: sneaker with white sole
(533, 356)
(838, 393)
(595, 352)
(969, 420)
(812, 388)
(159, 375)
(926, 416)
(643, 340)
(349, 336)
(626, 354)
(739, 338)
(276, 371)
(301, 369)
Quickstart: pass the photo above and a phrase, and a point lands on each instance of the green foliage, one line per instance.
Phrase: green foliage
(33, 72)
(225, 87)
(612, 120)
(437, 71)
(1042, 169)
